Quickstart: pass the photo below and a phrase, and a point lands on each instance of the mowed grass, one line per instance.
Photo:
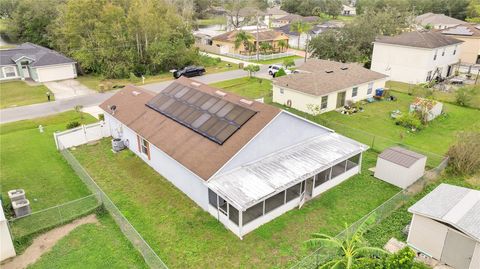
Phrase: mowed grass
(252, 88)
(99, 245)
(19, 93)
(30, 160)
(277, 61)
(185, 236)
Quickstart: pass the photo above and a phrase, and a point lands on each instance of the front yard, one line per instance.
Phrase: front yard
(185, 236)
(19, 93)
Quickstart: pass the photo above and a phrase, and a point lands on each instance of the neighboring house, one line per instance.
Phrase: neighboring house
(295, 42)
(446, 226)
(226, 42)
(437, 21)
(290, 18)
(348, 10)
(274, 13)
(416, 57)
(470, 35)
(30, 61)
(400, 167)
(326, 85)
(243, 161)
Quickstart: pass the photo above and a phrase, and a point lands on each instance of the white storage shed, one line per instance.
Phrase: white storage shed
(400, 167)
(446, 226)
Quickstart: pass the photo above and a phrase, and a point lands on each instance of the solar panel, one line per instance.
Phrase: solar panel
(207, 114)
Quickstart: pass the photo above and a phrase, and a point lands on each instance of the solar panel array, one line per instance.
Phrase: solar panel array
(209, 115)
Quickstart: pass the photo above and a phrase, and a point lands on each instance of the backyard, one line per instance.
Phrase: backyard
(29, 160)
(19, 93)
(184, 236)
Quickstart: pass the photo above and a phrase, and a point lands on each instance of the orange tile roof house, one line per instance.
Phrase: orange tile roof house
(226, 41)
(242, 161)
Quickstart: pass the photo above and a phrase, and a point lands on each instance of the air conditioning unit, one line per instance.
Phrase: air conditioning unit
(117, 144)
(15, 195)
(21, 207)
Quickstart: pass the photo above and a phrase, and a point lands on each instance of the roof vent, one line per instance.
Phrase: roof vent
(344, 68)
(135, 93)
(247, 102)
(328, 71)
(196, 84)
(113, 108)
(220, 93)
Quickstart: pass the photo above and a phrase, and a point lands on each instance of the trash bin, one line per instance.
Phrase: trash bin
(15, 195)
(21, 208)
(240, 65)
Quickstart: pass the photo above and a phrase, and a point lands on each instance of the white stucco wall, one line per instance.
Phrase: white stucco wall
(427, 236)
(300, 100)
(56, 72)
(475, 264)
(185, 180)
(398, 175)
(6, 244)
(410, 64)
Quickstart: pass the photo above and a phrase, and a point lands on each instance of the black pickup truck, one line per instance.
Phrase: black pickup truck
(189, 71)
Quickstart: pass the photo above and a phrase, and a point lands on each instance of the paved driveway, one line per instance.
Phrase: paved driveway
(66, 89)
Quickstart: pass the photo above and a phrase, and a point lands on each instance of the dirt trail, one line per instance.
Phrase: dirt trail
(45, 243)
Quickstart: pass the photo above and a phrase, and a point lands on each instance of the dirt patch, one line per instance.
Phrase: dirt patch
(45, 243)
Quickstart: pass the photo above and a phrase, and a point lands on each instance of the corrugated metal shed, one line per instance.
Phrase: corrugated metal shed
(457, 206)
(401, 156)
(247, 185)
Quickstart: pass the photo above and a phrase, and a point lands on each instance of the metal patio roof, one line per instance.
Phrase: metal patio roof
(247, 185)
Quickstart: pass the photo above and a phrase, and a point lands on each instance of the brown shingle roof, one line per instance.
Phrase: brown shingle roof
(431, 18)
(295, 17)
(401, 156)
(313, 77)
(194, 151)
(464, 30)
(263, 35)
(420, 39)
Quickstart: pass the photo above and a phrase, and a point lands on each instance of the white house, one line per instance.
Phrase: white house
(293, 37)
(446, 226)
(30, 61)
(416, 57)
(326, 85)
(273, 13)
(348, 10)
(400, 167)
(243, 161)
(437, 21)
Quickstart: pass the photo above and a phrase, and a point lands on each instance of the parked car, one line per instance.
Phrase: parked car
(189, 71)
(272, 69)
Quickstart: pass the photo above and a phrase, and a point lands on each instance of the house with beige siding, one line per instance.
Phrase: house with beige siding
(226, 41)
(326, 85)
(470, 35)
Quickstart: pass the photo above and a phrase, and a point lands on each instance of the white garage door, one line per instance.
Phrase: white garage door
(58, 72)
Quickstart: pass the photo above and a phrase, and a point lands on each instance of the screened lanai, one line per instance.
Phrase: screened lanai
(282, 180)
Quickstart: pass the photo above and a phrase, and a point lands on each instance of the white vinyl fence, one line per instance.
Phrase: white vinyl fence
(261, 57)
(81, 135)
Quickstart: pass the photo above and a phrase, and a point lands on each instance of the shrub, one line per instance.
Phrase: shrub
(463, 96)
(288, 63)
(409, 120)
(464, 154)
(280, 73)
(101, 117)
(73, 124)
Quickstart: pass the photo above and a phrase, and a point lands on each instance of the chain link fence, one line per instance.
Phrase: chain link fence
(52, 217)
(150, 257)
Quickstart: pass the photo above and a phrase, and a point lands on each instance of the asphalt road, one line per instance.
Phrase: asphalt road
(45, 109)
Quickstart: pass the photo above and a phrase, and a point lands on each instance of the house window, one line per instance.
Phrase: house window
(293, 192)
(9, 71)
(435, 56)
(429, 75)
(281, 90)
(370, 88)
(443, 52)
(324, 102)
(274, 202)
(143, 146)
(322, 177)
(212, 198)
(455, 50)
(354, 91)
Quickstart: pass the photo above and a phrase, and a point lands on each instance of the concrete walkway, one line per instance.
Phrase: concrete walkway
(66, 89)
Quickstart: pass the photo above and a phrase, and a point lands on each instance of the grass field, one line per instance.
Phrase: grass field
(438, 95)
(19, 93)
(93, 246)
(185, 236)
(93, 81)
(277, 61)
(252, 88)
(212, 21)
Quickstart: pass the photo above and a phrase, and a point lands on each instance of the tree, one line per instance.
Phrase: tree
(333, 7)
(349, 248)
(300, 27)
(280, 73)
(473, 11)
(242, 37)
(7, 8)
(463, 155)
(288, 62)
(252, 69)
(282, 44)
(265, 46)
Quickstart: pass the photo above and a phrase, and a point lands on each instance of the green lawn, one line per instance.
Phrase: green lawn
(252, 88)
(93, 246)
(185, 236)
(93, 81)
(277, 61)
(212, 21)
(19, 93)
(439, 95)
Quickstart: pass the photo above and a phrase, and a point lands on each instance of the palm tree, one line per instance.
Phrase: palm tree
(244, 38)
(282, 44)
(264, 46)
(349, 248)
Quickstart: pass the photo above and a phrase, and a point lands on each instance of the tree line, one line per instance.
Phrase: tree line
(114, 38)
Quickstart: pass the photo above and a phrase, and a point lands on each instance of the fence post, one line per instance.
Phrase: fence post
(373, 141)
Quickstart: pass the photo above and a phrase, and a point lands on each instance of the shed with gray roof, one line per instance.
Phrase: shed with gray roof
(400, 167)
(446, 226)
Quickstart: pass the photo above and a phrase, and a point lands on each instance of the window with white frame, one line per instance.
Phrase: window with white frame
(354, 91)
(455, 50)
(429, 75)
(144, 147)
(370, 88)
(324, 103)
(435, 56)
(281, 90)
(443, 52)
(9, 71)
